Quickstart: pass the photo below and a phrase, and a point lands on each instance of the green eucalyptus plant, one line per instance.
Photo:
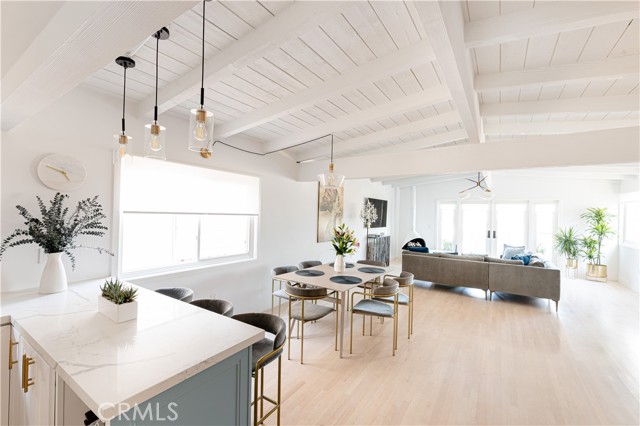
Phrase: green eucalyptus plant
(57, 230)
(117, 292)
(599, 228)
(566, 242)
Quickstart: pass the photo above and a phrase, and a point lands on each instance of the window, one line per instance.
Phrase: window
(175, 216)
(630, 222)
(447, 226)
(545, 227)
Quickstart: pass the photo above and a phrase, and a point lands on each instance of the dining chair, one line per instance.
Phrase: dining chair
(280, 292)
(309, 264)
(405, 280)
(264, 352)
(305, 312)
(183, 294)
(219, 306)
(371, 307)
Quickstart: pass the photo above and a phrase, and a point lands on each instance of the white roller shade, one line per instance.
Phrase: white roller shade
(160, 186)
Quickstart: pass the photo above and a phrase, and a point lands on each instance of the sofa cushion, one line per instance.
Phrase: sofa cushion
(505, 261)
(462, 257)
(510, 251)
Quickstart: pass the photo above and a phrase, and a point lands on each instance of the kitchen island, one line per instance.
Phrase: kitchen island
(175, 364)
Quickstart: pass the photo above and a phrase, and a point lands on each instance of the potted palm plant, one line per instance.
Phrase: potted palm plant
(566, 242)
(57, 233)
(599, 228)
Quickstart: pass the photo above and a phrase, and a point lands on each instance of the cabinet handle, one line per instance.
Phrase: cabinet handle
(11, 345)
(26, 381)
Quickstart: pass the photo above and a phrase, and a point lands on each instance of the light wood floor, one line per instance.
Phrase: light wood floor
(512, 361)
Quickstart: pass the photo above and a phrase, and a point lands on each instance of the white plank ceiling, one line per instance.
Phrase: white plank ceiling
(371, 72)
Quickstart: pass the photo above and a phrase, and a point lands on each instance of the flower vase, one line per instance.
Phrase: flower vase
(338, 265)
(54, 277)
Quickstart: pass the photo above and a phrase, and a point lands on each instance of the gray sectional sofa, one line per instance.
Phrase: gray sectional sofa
(486, 273)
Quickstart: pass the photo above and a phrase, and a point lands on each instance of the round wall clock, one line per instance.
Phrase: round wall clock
(61, 173)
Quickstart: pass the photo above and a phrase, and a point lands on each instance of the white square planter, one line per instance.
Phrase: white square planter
(117, 313)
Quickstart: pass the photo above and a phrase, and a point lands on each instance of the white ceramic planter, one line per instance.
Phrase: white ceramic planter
(338, 265)
(118, 313)
(54, 277)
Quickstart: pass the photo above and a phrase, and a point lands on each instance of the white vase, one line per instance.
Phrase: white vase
(338, 265)
(118, 313)
(54, 277)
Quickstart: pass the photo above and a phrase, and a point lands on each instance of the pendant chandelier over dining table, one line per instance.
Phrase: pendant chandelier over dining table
(201, 120)
(330, 179)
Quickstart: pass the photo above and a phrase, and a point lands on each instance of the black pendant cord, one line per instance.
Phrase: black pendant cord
(155, 108)
(202, 74)
(124, 97)
(332, 148)
(262, 154)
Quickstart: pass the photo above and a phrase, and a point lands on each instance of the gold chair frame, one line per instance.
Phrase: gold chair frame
(262, 397)
(394, 343)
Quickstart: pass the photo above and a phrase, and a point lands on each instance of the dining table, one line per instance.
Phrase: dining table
(341, 283)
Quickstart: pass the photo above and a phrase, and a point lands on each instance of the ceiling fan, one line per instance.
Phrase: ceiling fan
(485, 193)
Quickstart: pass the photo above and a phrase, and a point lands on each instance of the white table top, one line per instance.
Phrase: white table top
(130, 362)
(324, 280)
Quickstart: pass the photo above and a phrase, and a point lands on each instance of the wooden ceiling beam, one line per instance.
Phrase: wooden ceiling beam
(555, 127)
(547, 18)
(573, 105)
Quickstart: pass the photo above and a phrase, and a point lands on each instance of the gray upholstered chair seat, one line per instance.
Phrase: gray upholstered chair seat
(403, 299)
(183, 294)
(281, 293)
(312, 312)
(374, 307)
(219, 306)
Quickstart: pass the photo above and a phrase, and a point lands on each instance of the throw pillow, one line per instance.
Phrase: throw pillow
(419, 249)
(524, 257)
(510, 251)
(536, 262)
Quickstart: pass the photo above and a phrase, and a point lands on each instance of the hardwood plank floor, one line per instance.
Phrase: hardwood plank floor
(512, 361)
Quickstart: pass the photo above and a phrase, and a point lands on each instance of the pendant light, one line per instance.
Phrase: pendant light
(485, 192)
(201, 120)
(331, 179)
(154, 134)
(121, 140)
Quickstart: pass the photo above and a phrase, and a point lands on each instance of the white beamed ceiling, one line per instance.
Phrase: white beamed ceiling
(279, 72)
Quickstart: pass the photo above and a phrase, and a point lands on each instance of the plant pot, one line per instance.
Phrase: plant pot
(572, 263)
(597, 271)
(339, 265)
(118, 313)
(54, 277)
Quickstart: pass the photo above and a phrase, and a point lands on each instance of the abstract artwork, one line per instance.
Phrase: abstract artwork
(330, 211)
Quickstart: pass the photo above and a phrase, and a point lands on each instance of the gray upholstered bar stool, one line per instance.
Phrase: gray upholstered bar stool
(405, 280)
(309, 264)
(219, 306)
(305, 312)
(280, 292)
(183, 294)
(262, 353)
(372, 307)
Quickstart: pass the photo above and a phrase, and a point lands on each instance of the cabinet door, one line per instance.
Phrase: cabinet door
(8, 368)
(16, 396)
(40, 393)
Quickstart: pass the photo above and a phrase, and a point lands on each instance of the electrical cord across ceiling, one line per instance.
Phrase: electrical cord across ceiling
(262, 154)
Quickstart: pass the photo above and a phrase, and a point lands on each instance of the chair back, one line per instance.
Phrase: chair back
(372, 263)
(389, 287)
(183, 294)
(270, 323)
(405, 279)
(219, 306)
(283, 270)
(309, 264)
(297, 292)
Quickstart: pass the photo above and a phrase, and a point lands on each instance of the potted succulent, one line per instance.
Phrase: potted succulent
(56, 232)
(117, 301)
(566, 242)
(344, 242)
(598, 228)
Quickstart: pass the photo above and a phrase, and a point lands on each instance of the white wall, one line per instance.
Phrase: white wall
(574, 197)
(82, 123)
(629, 256)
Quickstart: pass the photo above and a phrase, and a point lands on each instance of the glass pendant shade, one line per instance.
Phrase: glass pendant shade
(464, 195)
(486, 194)
(200, 131)
(122, 148)
(331, 179)
(154, 141)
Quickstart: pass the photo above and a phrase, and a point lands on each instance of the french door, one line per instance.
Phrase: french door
(484, 227)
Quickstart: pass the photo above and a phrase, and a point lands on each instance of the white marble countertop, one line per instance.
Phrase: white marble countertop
(131, 362)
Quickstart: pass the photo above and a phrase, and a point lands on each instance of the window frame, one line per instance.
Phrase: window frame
(626, 199)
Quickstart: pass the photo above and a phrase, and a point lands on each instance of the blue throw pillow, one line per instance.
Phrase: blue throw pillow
(526, 258)
(419, 249)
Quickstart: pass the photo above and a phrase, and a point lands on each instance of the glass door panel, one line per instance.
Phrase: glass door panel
(474, 226)
(447, 221)
(545, 226)
(510, 226)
